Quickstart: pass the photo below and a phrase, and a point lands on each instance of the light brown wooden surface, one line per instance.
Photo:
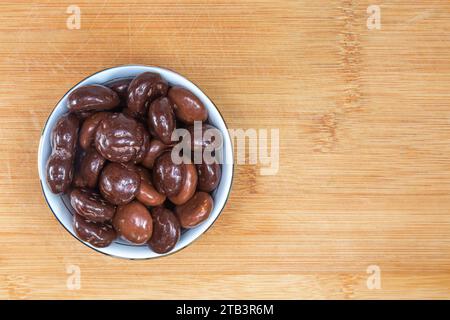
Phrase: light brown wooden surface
(364, 119)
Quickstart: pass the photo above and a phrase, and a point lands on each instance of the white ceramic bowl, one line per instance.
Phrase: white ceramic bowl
(60, 206)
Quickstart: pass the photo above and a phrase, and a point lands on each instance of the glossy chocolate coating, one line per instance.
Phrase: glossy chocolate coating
(120, 86)
(188, 187)
(65, 134)
(147, 194)
(120, 138)
(195, 211)
(97, 234)
(208, 176)
(59, 167)
(198, 138)
(133, 222)
(88, 169)
(143, 173)
(83, 115)
(144, 89)
(155, 149)
(144, 148)
(166, 230)
(119, 184)
(91, 205)
(188, 108)
(92, 98)
(161, 119)
(59, 172)
(87, 132)
(168, 176)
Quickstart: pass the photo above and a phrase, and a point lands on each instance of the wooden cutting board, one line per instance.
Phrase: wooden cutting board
(363, 188)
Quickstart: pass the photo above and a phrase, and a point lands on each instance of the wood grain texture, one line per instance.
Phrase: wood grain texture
(364, 119)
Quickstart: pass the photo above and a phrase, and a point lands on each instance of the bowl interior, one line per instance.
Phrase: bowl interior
(60, 205)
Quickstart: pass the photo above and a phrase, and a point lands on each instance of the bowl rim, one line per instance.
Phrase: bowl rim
(92, 247)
